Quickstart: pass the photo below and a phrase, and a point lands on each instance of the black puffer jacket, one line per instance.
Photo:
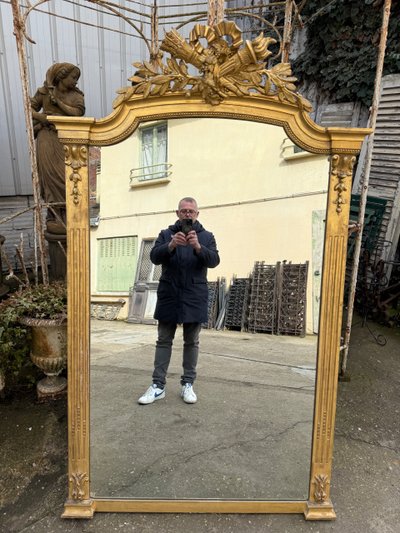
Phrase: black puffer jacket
(182, 294)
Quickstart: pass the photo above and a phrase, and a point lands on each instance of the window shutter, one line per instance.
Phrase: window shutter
(117, 259)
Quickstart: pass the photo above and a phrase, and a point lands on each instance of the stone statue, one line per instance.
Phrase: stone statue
(58, 96)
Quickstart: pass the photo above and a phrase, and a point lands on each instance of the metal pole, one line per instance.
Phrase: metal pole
(19, 28)
(287, 31)
(215, 12)
(154, 35)
(365, 181)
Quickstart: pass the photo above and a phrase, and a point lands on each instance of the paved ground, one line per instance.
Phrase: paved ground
(249, 433)
(366, 470)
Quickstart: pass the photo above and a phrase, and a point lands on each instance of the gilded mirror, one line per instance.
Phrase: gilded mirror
(236, 442)
(241, 139)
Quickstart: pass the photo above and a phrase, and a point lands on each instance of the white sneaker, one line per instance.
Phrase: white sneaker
(188, 394)
(152, 394)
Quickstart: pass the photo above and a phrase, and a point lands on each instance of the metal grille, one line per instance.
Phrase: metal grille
(262, 308)
(157, 273)
(148, 271)
(291, 296)
(237, 304)
(146, 265)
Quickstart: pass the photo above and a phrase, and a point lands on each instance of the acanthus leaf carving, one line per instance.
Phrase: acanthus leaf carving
(321, 483)
(78, 480)
(223, 69)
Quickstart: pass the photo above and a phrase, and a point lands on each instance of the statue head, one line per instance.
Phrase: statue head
(58, 72)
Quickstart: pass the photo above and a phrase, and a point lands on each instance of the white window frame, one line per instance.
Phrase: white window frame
(156, 172)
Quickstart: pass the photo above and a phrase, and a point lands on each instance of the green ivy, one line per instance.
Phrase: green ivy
(342, 46)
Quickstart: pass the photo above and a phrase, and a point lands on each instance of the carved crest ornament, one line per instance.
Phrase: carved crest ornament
(225, 67)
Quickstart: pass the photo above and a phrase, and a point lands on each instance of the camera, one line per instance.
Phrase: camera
(186, 225)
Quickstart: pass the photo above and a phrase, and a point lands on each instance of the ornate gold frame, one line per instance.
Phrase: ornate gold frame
(233, 83)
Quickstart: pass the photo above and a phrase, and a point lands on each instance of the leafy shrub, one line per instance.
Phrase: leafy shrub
(37, 301)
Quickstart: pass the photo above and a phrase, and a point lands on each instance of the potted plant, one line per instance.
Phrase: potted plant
(44, 309)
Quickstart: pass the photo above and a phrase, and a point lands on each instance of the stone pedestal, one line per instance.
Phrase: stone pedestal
(57, 252)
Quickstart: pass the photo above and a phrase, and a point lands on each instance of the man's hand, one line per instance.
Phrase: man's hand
(178, 239)
(193, 241)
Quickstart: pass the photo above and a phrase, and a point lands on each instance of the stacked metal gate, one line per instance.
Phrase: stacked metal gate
(291, 298)
(262, 308)
(213, 288)
(272, 300)
(237, 304)
(216, 304)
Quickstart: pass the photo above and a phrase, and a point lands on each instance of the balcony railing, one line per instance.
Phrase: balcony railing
(150, 172)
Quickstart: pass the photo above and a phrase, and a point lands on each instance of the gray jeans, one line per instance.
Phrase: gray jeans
(166, 334)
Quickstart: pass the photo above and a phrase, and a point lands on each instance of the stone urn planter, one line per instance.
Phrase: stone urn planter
(49, 353)
(42, 308)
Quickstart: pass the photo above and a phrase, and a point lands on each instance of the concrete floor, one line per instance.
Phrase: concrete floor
(366, 470)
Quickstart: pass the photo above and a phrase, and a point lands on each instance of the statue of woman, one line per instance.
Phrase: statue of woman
(58, 96)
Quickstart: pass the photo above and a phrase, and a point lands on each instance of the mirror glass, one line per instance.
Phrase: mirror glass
(264, 199)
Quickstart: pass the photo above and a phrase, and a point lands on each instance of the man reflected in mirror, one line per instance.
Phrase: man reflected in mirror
(185, 250)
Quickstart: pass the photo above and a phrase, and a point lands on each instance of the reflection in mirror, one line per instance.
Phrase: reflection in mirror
(249, 435)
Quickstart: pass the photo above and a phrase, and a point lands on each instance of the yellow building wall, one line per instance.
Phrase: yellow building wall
(254, 193)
